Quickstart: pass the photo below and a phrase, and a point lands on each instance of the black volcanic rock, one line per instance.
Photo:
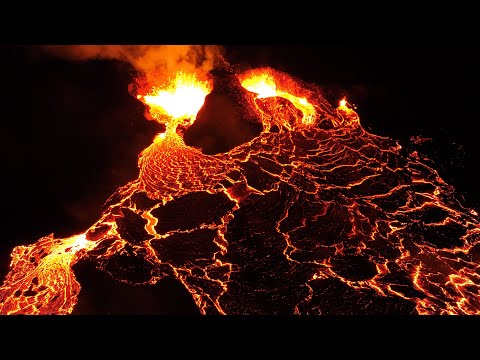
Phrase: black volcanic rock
(201, 207)
(180, 248)
(102, 294)
(227, 119)
(131, 227)
(353, 267)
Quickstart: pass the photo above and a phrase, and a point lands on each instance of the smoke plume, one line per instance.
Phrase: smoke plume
(152, 60)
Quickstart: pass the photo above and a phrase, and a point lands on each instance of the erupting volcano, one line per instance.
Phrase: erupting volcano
(261, 197)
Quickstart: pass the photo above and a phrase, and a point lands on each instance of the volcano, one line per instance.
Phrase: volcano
(269, 200)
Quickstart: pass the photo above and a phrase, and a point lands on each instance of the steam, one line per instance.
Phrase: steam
(152, 60)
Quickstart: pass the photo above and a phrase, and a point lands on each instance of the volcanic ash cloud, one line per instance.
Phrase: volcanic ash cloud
(152, 60)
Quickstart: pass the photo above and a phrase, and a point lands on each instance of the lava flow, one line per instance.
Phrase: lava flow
(262, 198)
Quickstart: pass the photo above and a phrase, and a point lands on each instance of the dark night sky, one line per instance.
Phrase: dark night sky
(71, 132)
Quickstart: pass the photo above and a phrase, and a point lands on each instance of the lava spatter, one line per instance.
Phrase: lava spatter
(312, 215)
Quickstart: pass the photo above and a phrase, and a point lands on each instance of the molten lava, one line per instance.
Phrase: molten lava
(265, 86)
(41, 280)
(182, 98)
(312, 216)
